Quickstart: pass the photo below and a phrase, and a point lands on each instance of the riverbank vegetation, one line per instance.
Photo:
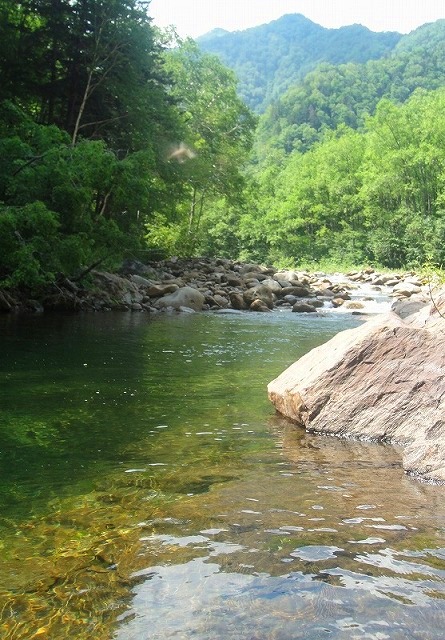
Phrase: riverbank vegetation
(98, 130)
(113, 144)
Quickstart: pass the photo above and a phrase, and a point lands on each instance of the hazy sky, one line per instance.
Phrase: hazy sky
(196, 17)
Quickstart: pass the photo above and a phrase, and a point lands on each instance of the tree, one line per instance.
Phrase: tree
(91, 67)
(217, 131)
(376, 196)
(404, 179)
(310, 209)
(84, 128)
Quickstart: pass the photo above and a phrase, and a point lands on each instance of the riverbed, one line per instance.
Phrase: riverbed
(149, 491)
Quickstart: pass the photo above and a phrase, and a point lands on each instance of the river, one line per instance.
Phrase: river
(149, 491)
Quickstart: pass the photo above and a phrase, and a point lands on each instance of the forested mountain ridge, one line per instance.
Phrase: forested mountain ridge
(346, 94)
(271, 58)
(349, 165)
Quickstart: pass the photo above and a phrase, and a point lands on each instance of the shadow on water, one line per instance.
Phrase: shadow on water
(77, 390)
(148, 487)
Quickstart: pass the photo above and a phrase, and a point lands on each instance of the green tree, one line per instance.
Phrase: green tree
(91, 67)
(404, 185)
(313, 211)
(86, 118)
(217, 132)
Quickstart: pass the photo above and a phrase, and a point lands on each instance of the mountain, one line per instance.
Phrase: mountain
(424, 37)
(271, 58)
(332, 95)
(213, 34)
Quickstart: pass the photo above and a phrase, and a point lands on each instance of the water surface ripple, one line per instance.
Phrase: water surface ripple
(149, 491)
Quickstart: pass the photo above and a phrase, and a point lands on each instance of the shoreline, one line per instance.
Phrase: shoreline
(212, 284)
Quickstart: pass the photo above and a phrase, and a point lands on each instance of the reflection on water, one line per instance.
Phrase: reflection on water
(149, 491)
(324, 537)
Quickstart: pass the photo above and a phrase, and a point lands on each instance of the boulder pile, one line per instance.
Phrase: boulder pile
(203, 284)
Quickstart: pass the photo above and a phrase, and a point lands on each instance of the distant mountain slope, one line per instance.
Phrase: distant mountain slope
(332, 95)
(271, 58)
(428, 35)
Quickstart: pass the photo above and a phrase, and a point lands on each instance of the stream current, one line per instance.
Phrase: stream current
(149, 491)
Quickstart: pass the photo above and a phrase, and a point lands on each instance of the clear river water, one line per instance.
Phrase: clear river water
(149, 491)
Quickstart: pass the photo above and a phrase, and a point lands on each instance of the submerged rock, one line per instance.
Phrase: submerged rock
(383, 381)
(303, 307)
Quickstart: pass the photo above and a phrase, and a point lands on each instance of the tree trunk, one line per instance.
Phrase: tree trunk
(192, 210)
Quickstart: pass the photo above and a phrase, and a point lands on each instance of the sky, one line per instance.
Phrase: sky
(196, 17)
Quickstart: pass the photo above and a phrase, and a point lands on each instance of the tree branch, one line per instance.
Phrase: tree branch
(86, 271)
(90, 124)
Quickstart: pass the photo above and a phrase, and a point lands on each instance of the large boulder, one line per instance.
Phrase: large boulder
(6, 302)
(183, 297)
(383, 381)
(303, 307)
(115, 291)
(288, 276)
(237, 301)
(299, 292)
(260, 292)
(159, 290)
(405, 289)
(259, 305)
(273, 285)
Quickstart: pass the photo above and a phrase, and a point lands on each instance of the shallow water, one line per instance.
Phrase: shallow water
(149, 491)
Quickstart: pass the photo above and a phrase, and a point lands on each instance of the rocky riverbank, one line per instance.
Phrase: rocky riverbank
(202, 284)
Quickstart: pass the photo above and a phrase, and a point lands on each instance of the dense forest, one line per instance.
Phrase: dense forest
(118, 140)
(333, 95)
(105, 139)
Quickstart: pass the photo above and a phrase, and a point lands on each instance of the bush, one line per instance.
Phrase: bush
(29, 238)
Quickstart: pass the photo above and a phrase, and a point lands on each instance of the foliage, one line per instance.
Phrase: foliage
(27, 236)
(217, 136)
(115, 137)
(375, 196)
(63, 205)
(86, 114)
(91, 67)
